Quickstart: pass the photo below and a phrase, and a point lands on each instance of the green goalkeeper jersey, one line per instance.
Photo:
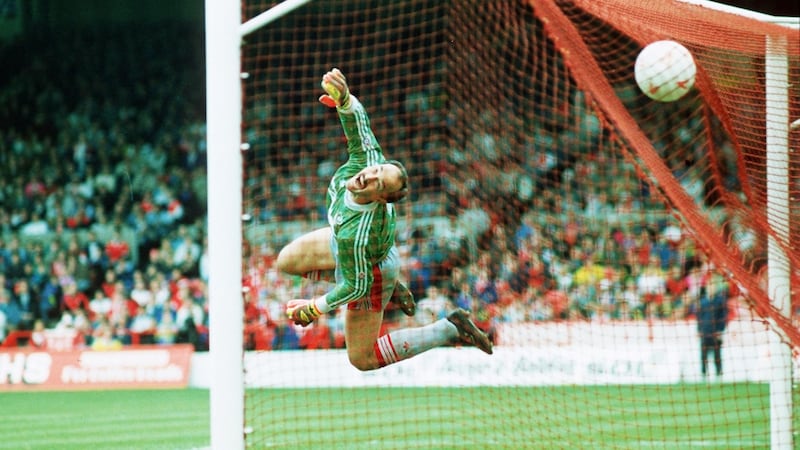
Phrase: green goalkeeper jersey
(364, 233)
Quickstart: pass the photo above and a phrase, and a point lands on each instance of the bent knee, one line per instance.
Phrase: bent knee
(285, 262)
(363, 361)
(291, 260)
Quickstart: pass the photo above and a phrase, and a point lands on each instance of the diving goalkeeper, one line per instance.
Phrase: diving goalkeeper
(359, 244)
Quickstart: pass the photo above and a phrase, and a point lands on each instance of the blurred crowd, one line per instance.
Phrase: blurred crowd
(103, 219)
(102, 187)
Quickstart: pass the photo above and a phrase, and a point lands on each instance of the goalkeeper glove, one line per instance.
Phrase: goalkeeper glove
(302, 312)
(333, 96)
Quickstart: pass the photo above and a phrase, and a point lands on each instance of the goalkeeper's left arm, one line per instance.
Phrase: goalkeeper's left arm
(337, 93)
(362, 145)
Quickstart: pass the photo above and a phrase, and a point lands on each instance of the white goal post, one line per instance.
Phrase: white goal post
(223, 37)
(226, 311)
(779, 125)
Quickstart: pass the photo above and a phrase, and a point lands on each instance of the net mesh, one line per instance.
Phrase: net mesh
(571, 213)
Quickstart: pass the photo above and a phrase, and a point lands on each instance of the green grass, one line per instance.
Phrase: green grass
(135, 419)
(714, 416)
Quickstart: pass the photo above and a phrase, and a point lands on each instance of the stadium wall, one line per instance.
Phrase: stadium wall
(544, 354)
(530, 355)
(137, 367)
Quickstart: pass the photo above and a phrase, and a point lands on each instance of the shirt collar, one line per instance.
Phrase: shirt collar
(350, 202)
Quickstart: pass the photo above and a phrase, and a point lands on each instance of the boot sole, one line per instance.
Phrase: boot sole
(469, 332)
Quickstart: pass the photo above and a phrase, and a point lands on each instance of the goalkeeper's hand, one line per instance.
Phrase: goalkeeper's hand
(337, 93)
(302, 312)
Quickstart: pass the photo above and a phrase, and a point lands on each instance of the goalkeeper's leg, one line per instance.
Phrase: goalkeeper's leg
(309, 256)
(368, 351)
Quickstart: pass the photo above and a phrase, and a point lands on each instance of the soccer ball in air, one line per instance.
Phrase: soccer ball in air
(665, 71)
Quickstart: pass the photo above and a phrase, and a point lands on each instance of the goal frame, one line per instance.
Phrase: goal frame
(224, 36)
(779, 126)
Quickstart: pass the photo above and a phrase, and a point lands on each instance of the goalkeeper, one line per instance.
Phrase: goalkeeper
(359, 245)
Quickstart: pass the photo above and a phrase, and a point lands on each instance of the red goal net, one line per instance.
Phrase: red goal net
(571, 213)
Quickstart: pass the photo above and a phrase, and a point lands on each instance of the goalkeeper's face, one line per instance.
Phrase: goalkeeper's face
(376, 183)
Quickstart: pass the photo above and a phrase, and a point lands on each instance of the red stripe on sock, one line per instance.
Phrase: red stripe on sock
(378, 354)
(388, 355)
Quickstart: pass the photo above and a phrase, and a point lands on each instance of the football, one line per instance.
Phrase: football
(665, 71)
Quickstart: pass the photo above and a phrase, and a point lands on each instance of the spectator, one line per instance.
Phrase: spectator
(82, 325)
(79, 270)
(189, 317)
(16, 266)
(457, 247)
(676, 287)
(590, 273)
(556, 300)
(99, 305)
(159, 290)
(144, 325)
(420, 263)
(485, 287)
(95, 252)
(121, 310)
(475, 220)
(539, 309)
(513, 275)
(527, 231)
(50, 297)
(109, 284)
(28, 303)
(317, 336)
(712, 319)
(3, 320)
(37, 226)
(72, 299)
(116, 248)
(434, 306)
(38, 335)
(166, 329)
(651, 284)
(186, 255)
(463, 296)
(140, 293)
(285, 337)
(103, 337)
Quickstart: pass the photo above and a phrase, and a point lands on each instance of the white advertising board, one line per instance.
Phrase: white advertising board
(528, 355)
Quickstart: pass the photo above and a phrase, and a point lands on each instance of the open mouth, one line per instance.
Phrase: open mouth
(359, 182)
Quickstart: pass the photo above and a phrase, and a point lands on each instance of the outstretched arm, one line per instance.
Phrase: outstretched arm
(362, 145)
(337, 93)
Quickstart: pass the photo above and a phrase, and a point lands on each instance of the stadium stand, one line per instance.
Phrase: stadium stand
(103, 191)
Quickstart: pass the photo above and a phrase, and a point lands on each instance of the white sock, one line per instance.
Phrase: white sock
(407, 342)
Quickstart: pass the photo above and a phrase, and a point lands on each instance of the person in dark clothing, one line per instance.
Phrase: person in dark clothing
(712, 318)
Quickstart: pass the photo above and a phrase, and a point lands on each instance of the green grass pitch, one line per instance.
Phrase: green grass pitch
(708, 416)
